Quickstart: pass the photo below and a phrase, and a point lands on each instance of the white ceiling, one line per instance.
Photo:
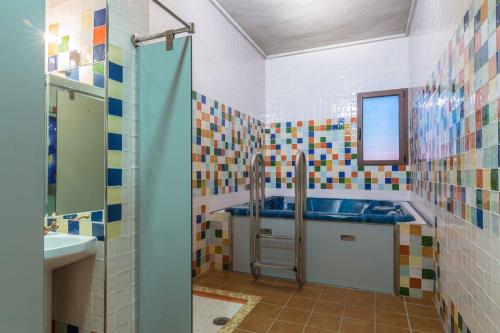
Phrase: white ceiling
(279, 26)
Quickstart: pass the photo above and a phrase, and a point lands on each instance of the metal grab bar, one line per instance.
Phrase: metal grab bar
(257, 200)
(300, 208)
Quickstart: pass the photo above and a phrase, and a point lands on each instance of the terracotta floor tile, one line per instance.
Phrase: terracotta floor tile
(333, 297)
(411, 300)
(234, 289)
(238, 282)
(255, 324)
(300, 303)
(422, 311)
(330, 308)
(390, 306)
(379, 328)
(322, 320)
(313, 286)
(360, 301)
(334, 291)
(426, 325)
(391, 318)
(317, 330)
(294, 316)
(387, 297)
(360, 313)
(308, 293)
(356, 326)
(266, 310)
(282, 288)
(362, 293)
(255, 292)
(271, 297)
(285, 327)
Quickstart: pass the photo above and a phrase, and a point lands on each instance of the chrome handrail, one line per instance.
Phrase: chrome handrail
(257, 200)
(300, 208)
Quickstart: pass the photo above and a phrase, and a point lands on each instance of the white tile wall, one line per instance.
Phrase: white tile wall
(324, 84)
(126, 18)
(432, 25)
(225, 66)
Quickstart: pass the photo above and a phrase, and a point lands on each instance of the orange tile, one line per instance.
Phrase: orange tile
(285, 327)
(321, 320)
(356, 326)
(415, 230)
(100, 35)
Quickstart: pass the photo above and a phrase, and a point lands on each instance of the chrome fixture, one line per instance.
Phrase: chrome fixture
(169, 35)
(257, 201)
(52, 227)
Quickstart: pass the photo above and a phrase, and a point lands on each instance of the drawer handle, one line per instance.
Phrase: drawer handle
(348, 238)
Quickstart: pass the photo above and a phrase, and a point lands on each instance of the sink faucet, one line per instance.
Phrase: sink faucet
(51, 227)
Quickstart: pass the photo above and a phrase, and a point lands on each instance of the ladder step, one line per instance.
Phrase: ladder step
(266, 236)
(275, 266)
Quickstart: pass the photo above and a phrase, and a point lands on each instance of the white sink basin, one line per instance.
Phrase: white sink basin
(63, 249)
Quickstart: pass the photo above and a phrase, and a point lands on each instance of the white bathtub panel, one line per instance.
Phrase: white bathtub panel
(367, 263)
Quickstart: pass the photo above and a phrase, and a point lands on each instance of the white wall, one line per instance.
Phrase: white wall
(323, 84)
(226, 67)
(432, 25)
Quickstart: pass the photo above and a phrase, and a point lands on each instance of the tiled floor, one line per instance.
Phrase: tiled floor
(323, 309)
(205, 309)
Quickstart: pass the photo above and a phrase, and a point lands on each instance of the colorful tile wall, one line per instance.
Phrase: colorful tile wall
(224, 140)
(114, 205)
(76, 46)
(455, 149)
(211, 241)
(455, 126)
(331, 150)
(416, 260)
(86, 224)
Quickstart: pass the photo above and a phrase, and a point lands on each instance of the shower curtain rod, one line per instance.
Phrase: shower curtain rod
(169, 34)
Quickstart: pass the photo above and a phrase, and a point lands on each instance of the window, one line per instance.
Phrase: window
(382, 127)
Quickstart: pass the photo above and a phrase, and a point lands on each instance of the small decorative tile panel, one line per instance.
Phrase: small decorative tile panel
(416, 260)
(224, 140)
(76, 43)
(211, 241)
(331, 150)
(86, 224)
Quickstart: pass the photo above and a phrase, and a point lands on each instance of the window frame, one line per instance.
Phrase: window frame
(403, 126)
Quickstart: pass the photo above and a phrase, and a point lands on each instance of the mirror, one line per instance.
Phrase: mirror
(76, 147)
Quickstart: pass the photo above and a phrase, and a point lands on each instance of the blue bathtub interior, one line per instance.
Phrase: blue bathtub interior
(327, 209)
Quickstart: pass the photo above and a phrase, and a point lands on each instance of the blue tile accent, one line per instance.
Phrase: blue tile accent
(98, 80)
(114, 213)
(73, 227)
(73, 74)
(98, 231)
(114, 177)
(115, 72)
(52, 63)
(99, 52)
(115, 141)
(100, 17)
(115, 107)
(96, 216)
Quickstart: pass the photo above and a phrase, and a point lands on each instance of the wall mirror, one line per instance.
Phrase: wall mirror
(75, 147)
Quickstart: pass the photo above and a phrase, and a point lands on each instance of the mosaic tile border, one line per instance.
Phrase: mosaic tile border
(251, 302)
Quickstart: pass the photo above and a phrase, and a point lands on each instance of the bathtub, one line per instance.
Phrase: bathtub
(348, 242)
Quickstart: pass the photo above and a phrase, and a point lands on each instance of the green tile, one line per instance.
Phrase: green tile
(98, 67)
(494, 179)
(427, 274)
(404, 291)
(64, 45)
(427, 241)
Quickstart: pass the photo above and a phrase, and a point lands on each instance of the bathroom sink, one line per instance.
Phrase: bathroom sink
(63, 249)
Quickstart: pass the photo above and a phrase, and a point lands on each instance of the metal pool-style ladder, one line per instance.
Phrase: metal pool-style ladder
(257, 200)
